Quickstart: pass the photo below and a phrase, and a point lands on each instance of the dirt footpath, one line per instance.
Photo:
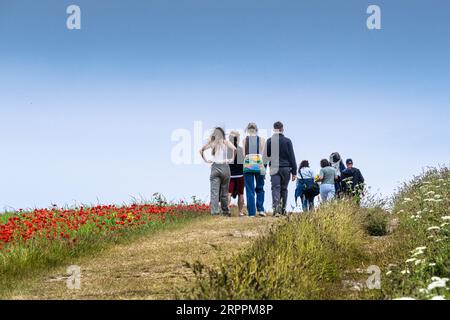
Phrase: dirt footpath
(152, 267)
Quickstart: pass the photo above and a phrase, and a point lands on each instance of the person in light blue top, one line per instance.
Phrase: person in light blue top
(327, 177)
(305, 180)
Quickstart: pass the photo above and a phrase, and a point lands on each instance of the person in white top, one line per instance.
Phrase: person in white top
(338, 164)
(220, 170)
(305, 173)
(305, 180)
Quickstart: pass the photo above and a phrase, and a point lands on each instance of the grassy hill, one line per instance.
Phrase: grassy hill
(161, 250)
(328, 254)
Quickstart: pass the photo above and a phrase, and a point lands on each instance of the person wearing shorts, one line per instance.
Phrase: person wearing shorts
(237, 182)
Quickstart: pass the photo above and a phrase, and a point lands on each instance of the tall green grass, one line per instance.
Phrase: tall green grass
(417, 264)
(308, 256)
(302, 258)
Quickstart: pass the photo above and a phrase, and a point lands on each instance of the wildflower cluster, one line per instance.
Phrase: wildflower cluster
(423, 208)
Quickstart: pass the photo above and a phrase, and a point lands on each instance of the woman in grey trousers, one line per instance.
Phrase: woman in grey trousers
(220, 170)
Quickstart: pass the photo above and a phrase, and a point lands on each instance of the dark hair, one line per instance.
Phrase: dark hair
(233, 136)
(278, 125)
(304, 164)
(324, 163)
(335, 157)
(235, 141)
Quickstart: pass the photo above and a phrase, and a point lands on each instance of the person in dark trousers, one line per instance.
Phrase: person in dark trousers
(279, 154)
(352, 181)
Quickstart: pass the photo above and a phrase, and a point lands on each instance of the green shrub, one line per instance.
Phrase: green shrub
(376, 221)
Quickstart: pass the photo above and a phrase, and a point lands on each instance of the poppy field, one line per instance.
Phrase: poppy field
(34, 240)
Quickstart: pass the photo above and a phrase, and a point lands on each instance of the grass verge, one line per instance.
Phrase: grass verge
(302, 258)
(310, 256)
(417, 260)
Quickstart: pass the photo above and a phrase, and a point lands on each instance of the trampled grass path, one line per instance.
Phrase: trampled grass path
(153, 266)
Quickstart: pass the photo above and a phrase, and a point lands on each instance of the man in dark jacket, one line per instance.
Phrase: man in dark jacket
(352, 180)
(279, 154)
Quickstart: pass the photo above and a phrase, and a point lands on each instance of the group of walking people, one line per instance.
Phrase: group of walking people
(235, 168)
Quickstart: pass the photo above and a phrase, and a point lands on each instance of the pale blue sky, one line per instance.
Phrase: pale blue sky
(88, 114)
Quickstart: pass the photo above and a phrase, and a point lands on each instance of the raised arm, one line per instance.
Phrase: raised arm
(233, 149)
(202, 152)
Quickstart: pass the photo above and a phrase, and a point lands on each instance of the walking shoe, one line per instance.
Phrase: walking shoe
(241, 214)
(262, 214)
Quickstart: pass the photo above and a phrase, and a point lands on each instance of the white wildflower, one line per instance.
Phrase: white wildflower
(417, 253)
(437, 283)
(406, 271)
(438, 298)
